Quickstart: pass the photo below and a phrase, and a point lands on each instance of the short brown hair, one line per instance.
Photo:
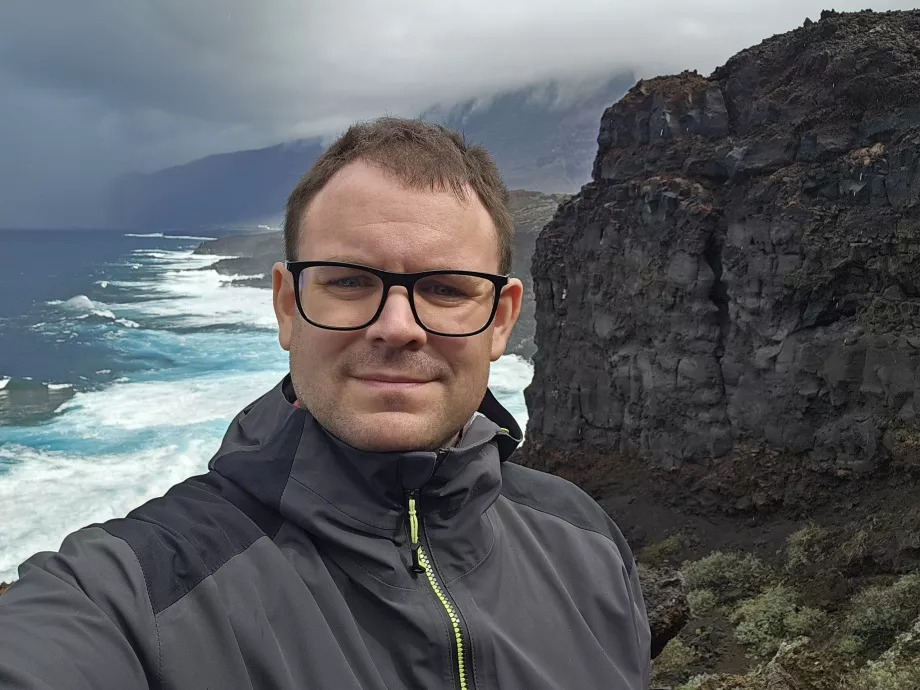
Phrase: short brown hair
(422, 156)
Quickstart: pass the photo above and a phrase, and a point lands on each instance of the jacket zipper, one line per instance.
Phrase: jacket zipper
(421, 564)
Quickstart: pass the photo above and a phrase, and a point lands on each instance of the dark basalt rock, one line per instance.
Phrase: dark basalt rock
(743, 271)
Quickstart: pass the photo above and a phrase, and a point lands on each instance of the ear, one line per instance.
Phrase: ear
(285, 303)
(509, 308)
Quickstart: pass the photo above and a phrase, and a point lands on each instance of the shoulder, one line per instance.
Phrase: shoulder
(558, 498)
(187, 534)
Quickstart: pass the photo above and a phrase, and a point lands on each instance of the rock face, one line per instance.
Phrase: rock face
(743, 272)
(531, 211)
(256, 253)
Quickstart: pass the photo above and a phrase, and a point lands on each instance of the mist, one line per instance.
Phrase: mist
(102, 87)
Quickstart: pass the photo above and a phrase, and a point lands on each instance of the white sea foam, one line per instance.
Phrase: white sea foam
(58, 386)
(4, 380)
(165, 404)
(126, 443)
(75, 303)
(102, 283)
(508, 377)
(47, 494)
(189, 297)
(97, 309)
(170, 237)
(241, 276)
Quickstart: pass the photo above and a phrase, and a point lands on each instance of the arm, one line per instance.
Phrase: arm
(643, 630)
(79, 618)
(636, 600)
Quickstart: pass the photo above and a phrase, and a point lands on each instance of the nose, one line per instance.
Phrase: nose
(396, 326)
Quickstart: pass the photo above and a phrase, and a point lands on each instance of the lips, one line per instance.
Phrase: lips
(386, 377)
(395, 379)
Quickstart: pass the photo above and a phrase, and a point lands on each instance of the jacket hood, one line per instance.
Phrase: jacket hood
(280, 454)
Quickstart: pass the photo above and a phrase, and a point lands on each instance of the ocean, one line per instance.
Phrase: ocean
(123, 358)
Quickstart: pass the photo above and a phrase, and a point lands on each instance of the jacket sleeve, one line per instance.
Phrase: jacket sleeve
(643, 629)
(637, 601)
(79, 618)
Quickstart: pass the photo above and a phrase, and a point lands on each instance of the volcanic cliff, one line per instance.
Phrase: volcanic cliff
(728, 334)
(742, 272)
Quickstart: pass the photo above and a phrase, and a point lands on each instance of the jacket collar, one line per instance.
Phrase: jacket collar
(283, 456)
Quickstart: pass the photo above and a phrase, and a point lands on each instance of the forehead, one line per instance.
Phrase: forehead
(365, 215)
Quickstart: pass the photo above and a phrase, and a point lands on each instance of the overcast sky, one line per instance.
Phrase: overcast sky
(93, 88)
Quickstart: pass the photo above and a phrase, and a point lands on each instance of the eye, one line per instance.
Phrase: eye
(442, 290)
(351, 282)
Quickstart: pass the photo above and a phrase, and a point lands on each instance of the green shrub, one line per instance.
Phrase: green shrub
(661, 552)
(676, 657)
(857, 547)
(884, 675)
(730, 576)
(849, 646)
(897, 669)
(695, 683)
(701, 601)
(879, 613)
(765, 621)
(806, 546)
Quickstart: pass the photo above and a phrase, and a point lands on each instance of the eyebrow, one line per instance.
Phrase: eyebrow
(348, 259)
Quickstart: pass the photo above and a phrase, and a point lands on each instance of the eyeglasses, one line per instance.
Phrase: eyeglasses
(348, 297)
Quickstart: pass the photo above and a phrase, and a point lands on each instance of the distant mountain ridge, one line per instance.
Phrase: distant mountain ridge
(542, 139)
(226, 188)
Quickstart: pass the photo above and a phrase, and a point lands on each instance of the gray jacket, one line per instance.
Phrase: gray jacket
(300, 562)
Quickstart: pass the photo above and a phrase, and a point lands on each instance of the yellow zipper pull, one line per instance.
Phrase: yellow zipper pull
(417, 567)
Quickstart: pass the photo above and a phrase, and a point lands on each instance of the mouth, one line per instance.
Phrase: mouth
(393, 382)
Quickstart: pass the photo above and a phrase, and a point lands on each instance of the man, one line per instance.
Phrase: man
(361, 525)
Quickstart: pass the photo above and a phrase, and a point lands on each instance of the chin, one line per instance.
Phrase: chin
(392, 431)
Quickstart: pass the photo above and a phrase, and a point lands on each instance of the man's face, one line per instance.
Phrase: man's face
(345, 378)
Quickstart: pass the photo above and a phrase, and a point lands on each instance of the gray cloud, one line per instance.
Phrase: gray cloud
(97, 87)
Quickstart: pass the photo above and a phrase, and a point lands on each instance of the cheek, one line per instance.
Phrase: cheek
(315, 350)
(466, 355)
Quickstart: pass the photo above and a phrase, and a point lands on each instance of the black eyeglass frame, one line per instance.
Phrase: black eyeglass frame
(389, 279)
